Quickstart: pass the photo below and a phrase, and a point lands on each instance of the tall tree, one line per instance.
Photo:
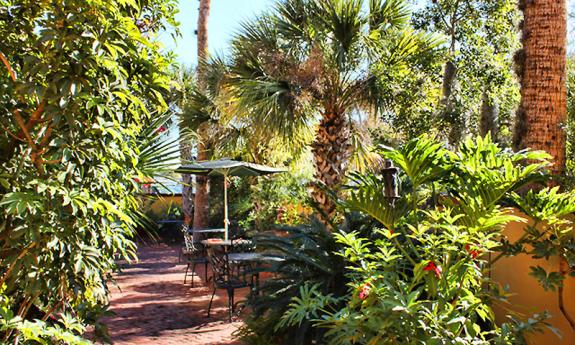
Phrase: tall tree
(312, 64)
(475, 91)
(201, 202)
(184, 78)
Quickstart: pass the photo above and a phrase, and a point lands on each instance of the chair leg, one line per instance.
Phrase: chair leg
(211, 300)
(193, 273)
(230, 303)
(186, 274)
(206, 272)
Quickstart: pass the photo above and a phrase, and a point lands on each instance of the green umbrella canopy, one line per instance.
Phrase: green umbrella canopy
(226, 168)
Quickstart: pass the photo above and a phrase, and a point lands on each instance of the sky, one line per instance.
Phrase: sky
(225, 19)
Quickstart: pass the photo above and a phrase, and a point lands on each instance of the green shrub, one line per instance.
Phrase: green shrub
(311, 266)
(81, 86)
(421, 276)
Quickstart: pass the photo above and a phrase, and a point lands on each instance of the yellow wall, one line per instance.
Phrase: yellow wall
(529, 297)
(159, 206)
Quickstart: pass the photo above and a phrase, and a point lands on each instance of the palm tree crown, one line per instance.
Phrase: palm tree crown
(319, 62)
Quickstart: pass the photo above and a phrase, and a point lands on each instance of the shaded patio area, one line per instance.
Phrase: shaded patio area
(153, 306)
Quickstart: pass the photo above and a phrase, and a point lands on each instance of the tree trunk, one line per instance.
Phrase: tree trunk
(331, 151)
(202, 206)
(449, 116)
(187, 190)
(489, 117)
(449, 73)
(542, 114)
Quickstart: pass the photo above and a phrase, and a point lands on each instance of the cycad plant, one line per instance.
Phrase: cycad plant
(312, 268)
(421, 276)
(320, 63)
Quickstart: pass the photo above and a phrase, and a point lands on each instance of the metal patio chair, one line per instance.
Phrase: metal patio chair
(194, 254)
(225, 277)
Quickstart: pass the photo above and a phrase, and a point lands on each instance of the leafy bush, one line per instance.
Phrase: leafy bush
(422, 275)
(311, 267)
(280, 199)
(80, 83)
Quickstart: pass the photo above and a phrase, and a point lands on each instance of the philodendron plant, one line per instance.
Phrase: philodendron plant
(422, 277)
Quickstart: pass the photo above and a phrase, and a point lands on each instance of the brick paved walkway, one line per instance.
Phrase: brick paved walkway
(153, 306)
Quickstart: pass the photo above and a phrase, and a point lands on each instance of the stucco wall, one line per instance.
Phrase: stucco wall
(529, 297)
(160, 205)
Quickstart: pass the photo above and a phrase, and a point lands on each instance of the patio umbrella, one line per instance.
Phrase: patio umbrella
(226, 168)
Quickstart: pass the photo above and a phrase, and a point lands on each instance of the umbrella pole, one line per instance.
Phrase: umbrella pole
(226, 221)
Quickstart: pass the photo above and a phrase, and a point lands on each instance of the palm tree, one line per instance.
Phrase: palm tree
(542, 115)
(211, 106)
(320, 63)
(542, 70)
(201, 201)
(184, 78)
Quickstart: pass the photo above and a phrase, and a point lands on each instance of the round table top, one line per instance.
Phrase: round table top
(252, 257)
(216, 242)
(220, 242)
(203, 231)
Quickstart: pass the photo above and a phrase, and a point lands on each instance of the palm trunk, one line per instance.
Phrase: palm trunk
(202, 206)
(187, 190)
(543, 110)
(331, 151)
(542, 115)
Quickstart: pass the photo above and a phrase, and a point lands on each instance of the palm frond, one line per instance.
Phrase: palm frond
(343, 21)
(158, 152)
(394, 49)
(293, 18)
(422, 159)
(364, 157)
(367, 195)
(388, 13)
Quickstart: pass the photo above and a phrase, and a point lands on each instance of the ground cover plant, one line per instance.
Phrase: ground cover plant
(80, 85)
(421, 276)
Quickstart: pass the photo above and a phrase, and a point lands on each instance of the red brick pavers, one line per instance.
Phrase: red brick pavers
(153, 306)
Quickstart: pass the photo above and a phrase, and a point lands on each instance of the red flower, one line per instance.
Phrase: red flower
(364, 292)
(161, 129)
(431, 266)
(474, 253)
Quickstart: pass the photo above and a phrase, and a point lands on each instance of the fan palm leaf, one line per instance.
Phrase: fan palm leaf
(313, 63)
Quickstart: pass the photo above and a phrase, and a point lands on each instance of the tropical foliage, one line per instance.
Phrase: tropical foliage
(421, 275)
(80, 85)
(314, 62)
(319, 86)
(312, 269)
(478, 95)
